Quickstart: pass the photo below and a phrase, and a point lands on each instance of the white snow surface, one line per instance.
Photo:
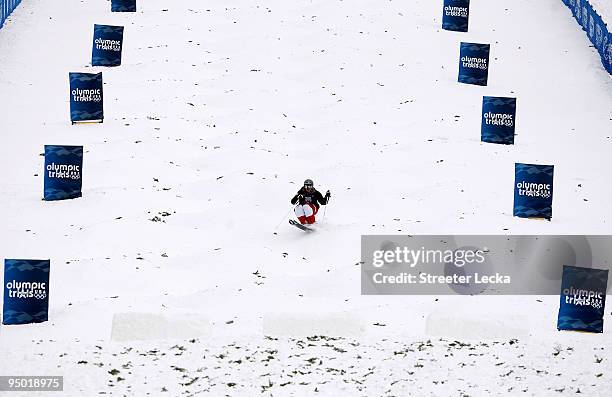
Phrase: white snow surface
(604, 9)
(218, 113)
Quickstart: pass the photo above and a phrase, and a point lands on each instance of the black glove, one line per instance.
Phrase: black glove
(300, 199)
(327, 196)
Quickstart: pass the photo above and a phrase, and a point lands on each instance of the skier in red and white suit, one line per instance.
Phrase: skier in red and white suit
(308, 200)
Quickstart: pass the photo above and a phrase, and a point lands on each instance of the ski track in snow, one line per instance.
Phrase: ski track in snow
(217, 114)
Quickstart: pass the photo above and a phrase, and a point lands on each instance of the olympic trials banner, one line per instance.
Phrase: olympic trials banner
(63, 172)
(583, 299)
(456, 14)
(86, 97)
(533, 190)
(123, 5)
(498, 118)
(26, 291)
(107, 45)
(474, 63)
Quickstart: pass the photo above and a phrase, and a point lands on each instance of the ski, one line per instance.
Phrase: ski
(300, 226)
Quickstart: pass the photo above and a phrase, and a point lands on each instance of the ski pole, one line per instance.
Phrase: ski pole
(325, 209)
(279, 223)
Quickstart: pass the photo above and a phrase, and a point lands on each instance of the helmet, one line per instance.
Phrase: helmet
(308, 182)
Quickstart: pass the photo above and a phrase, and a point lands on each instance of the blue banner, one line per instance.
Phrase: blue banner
(474, 63)
(583, 299)
(123, 5)
(26, 291)
(86, 97)
(107, 45)
(456, 15)
(6, 7)
(533, 190)
(63, 172)
(498, 120)
(598, 31)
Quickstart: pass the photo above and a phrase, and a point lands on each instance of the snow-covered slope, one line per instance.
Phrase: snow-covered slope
(218, 113)
(604, 9)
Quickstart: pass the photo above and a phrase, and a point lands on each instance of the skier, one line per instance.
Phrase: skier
(308, 200)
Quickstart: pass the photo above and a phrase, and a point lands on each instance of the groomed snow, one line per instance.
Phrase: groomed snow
(604, 9)
(218, 113)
